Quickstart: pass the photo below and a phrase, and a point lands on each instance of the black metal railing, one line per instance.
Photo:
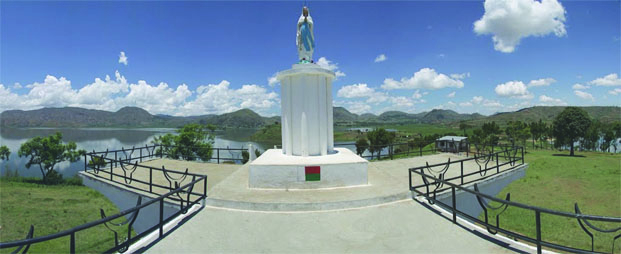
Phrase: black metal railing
(185, 194)
(141, 153)
(434, 183)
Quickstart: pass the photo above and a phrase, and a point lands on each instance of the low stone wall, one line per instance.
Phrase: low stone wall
(467, 202)
(125, 198)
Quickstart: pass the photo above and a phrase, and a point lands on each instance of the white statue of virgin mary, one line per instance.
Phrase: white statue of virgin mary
(305, 39)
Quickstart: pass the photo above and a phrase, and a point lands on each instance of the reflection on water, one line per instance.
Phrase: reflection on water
(100, 139)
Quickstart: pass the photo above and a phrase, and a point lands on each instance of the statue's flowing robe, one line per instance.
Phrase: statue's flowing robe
(305, 39)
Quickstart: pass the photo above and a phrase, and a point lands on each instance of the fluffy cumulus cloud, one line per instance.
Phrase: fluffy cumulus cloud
(380, 58)
(579, 87)
(584, 95)
(460, 76)
(510, 21)
(541, 82)
(355, 91)
(272, 81)
(615, 91)
(325, 63)
(220, 98)
(608, 80)
(122, 58)
(425, 78)
(513, 89)
(114, 93)
(551, 101)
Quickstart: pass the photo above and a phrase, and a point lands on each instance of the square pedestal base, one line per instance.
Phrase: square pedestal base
(275, 170)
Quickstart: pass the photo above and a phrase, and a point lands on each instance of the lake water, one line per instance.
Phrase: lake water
(100, 139)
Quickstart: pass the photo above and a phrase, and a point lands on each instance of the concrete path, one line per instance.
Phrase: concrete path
(400, 227)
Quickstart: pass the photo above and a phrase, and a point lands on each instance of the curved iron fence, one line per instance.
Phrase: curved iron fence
(186, 194)
(434, 183)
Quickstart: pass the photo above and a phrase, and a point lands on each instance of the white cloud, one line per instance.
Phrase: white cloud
(380, 58)
(327, 64)
(425, 78)
(608, 80)
(272, 81)
(355, 91)
(417, 94)
(123, 58)
(584, 95)
(510, 21)
(615, 91)
(357, 107)
(460, 76)
(17, 85)
(220, 98)
(513, 89)
(465, 104)
(477, 99)
(551, 101)
(451, 94)
(541, 82)
(492, 104)
(579, 87)
(112, 94)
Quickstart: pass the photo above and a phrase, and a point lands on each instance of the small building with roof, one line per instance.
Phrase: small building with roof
(452, 144)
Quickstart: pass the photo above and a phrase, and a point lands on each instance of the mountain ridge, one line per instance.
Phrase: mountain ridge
(135, 117)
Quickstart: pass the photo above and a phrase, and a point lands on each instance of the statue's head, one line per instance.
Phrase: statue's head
(305, 11)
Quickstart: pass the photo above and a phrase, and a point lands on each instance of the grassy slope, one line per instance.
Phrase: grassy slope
(53, 209)
(557, 182)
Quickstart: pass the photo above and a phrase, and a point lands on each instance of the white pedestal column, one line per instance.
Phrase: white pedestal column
(306, 94)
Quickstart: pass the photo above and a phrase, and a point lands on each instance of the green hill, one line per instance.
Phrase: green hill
(605, 114)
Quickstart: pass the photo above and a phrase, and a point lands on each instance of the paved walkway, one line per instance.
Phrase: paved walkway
(401, 227)
(380, 217)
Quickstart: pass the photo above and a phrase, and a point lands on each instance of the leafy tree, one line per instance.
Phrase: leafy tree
(537, 130)
(192, 142)
(609, 138)
(47, 152)
(379, 139)
(464, 126)
(4, 153)
(361, 145)
(569, 126)
(616, 128)
(592, 136)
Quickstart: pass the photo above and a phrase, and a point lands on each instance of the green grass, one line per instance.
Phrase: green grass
(557, 182)
(51, 209)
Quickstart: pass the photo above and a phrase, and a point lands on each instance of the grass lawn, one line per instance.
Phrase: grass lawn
(52, 209)
(557, 182)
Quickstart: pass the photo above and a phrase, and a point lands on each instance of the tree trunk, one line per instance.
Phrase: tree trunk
(571, 148)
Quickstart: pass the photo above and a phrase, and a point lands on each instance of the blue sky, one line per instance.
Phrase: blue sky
(193, 58)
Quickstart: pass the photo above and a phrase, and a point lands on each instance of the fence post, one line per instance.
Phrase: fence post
(161, 224)
(390, 151)
(140, 154)
(467, 149)
(462, 172)
(538, 222)
(150, 180)
(115, 159)
(421, 151)
(72, 243)
(497, 166)
(522, 155)
(85, 165)
(454, 206)
(218, 152)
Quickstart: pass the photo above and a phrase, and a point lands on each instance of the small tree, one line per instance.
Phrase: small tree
(379, 139)
(47, 152)
(193, 141)
(464, 126)
(4, 153)
(569, 126)
(361, 145)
